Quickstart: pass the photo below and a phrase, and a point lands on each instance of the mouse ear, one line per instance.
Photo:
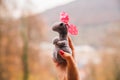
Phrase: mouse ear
(64, 17)
(72, 29)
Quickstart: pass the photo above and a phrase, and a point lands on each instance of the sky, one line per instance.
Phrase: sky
(42, 5)
(17, 7)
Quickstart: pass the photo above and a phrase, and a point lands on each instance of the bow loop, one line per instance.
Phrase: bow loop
(64, 17)
(72, 29)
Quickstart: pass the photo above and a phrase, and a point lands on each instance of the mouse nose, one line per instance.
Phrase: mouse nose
(53, 28)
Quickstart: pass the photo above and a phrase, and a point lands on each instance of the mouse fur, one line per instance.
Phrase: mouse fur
(61, 43)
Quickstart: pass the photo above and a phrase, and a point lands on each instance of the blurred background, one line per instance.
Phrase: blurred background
(26, 38)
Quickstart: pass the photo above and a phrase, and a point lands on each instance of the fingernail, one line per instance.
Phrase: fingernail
(61, 52)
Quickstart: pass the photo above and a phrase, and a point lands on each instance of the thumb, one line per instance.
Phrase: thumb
(68, 57)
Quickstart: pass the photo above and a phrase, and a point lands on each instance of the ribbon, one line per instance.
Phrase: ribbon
(72, 29)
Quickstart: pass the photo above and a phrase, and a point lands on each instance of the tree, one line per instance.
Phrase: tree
(16, 36)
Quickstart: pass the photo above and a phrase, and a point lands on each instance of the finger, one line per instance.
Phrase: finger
(68, 57)
(71, 46)
(70, 43)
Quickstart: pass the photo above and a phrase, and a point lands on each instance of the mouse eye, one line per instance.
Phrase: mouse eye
(61, 24)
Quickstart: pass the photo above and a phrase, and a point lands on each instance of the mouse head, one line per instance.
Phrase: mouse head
(61, 28)
(64, 27)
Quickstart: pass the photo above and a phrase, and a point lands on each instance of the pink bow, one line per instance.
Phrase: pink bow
(65, 19)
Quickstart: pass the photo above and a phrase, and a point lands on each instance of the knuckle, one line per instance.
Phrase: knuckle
(69, 56)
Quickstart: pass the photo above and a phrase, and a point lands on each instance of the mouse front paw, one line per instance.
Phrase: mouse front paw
(55, 41)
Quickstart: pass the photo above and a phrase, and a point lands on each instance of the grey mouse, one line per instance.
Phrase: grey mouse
(61, 43)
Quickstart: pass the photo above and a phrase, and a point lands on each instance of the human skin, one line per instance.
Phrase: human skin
(69, 71)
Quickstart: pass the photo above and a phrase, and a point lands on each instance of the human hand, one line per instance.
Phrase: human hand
(69, 71)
